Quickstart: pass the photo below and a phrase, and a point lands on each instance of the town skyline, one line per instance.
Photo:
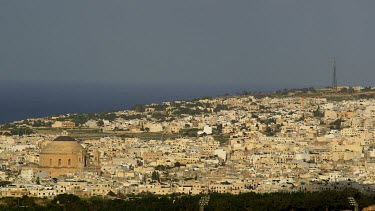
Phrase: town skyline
(296, 141)
(187, 105)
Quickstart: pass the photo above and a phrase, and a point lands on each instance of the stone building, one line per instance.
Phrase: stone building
(63, 155)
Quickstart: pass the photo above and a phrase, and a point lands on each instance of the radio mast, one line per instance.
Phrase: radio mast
(334, 79)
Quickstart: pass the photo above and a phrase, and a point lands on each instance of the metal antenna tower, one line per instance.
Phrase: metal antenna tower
(334, 79)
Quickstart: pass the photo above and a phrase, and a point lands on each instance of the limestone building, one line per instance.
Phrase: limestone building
(63, 155)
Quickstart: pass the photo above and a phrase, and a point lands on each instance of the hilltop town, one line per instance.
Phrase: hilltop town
(286, 141)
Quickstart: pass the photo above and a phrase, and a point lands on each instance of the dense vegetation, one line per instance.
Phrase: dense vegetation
(14, 130)
(326, 200)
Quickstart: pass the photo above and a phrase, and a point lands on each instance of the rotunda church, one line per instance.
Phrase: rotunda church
(62, 156)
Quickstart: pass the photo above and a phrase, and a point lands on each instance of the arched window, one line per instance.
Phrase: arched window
(69, 162)
(59, 162)
(50, 162)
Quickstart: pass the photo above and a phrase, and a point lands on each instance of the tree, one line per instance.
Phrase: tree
(139, 108)
(366, 89)
(268, 131)
(109, 116)
(351, 90)
(6, 126)
(344, 90)
(155, 176)
(66, 199)
(37, 123)
(4, 183)
(337, 123)
(21, 131)
(37, 181)
(7, 134)
(160, 168)
(100, 123)
(177, 164)
(220, 107)
(322, 200)
(158, 116)
(318, 113)
(219, 128)
(27, 201)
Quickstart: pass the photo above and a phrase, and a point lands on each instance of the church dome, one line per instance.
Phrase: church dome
(63, 145)
(64, 138)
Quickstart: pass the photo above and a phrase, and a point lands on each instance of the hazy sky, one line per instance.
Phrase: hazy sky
(271, 43)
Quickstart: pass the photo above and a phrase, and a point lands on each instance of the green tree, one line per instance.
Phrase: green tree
(160, 167)
(318, 113)
(155, 176)
(337, 123)
(21, 131)
(351, 90)
(7, 134)
(27, 201)
(66, 199)
(37, 181)
(344, 90)
(139, 108)
(268, 131)
(177, 165)
(4, 183)
(100, 123)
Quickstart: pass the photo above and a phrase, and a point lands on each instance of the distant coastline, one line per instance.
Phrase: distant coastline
(21, 100)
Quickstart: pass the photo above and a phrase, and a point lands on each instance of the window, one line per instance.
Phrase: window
(50, 162)
(59, 162)
(69, 162)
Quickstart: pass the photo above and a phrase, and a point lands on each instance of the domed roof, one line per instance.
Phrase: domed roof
(64, 138)
(63, 145)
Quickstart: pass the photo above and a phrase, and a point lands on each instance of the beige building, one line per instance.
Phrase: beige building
(63, 124)
(62, 156)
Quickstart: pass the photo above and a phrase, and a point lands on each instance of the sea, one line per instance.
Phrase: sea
(31, 99)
